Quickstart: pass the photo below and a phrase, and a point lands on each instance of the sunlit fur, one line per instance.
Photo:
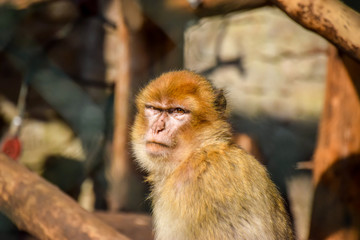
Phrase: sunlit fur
(206, 188)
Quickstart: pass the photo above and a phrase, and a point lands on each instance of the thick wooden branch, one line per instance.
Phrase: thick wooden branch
(331, 19)
(42, 210)
(213, 7)
(228, 4)
(21, 4)
(138, 226)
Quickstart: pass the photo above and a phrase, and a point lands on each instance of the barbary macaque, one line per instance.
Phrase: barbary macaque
(204, 187)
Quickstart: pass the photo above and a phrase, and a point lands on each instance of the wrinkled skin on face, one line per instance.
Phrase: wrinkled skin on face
(163, 124)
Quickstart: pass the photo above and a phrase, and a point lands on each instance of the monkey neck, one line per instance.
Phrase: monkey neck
(215, 133)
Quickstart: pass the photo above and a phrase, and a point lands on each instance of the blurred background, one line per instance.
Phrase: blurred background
(70, 71)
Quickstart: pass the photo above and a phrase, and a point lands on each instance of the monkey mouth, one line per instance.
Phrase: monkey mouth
(157, 148)
(149, 143)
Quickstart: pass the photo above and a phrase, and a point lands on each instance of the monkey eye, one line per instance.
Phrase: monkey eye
(153, 108)
(177, 111)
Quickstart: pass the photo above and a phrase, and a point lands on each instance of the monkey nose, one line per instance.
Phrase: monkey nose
(158, 127)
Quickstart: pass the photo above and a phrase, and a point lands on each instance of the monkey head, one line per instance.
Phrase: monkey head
(174, 112)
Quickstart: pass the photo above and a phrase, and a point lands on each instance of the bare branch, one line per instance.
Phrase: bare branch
(211, 7)
(42, 210)
(21, 4)
(331, 19)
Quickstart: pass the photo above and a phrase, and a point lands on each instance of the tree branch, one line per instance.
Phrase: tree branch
(331, 19)
(42, 210)
(213, 7)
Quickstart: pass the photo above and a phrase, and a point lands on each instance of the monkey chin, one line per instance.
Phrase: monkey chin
(157, 149)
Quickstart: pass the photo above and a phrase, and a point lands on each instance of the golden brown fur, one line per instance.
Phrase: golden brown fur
(204, 187)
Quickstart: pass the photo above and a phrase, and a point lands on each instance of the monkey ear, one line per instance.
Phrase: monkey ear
(220, 101)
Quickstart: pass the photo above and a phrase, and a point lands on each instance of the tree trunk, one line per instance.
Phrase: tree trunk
(120, 166)
(336, 206)
(42, 210)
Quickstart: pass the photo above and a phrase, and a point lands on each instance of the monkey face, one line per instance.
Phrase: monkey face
(164, 122)
(174, 111)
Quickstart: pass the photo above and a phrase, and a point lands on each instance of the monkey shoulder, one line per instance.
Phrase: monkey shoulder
(239, 180)
(229, 158)
(229, 187)
(228, 173)
(225, 166)
(222, 173)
